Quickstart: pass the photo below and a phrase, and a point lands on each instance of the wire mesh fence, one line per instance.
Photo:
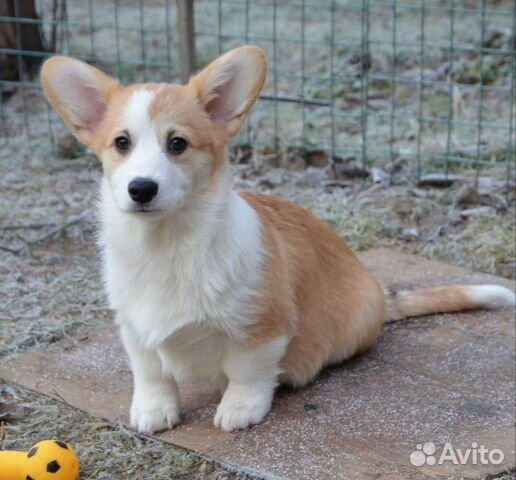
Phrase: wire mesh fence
(427, 82)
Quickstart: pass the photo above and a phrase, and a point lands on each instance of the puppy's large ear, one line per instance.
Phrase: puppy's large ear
(79, 93)
(229, 87)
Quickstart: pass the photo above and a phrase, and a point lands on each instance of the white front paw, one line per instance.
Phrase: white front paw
(241, 408)
(150, 418)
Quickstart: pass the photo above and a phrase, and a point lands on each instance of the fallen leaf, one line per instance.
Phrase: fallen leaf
(9, 411)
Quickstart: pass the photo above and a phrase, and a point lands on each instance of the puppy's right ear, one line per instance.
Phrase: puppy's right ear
(79, 93)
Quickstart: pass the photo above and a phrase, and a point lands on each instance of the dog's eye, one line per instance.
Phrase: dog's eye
(122, 144)
(177, 145)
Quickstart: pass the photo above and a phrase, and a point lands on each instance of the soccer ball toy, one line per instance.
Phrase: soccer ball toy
(47, 460)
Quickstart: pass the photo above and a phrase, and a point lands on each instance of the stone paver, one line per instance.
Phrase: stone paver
(445, 378)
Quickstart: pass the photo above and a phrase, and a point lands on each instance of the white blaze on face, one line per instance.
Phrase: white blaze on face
(136, 115)
(146, 159)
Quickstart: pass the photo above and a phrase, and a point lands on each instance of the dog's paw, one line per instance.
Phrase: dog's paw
(242, 409)
(147, 419)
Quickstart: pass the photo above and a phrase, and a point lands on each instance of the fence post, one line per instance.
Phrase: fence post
(186, 38)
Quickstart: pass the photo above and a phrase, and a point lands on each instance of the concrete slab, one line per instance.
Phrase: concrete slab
(445, 378)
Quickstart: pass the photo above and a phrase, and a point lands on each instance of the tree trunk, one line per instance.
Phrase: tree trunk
(30, 39)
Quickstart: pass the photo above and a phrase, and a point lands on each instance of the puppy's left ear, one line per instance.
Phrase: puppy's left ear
(229, 87)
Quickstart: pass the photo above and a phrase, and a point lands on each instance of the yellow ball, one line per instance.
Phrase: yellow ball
(51, 460)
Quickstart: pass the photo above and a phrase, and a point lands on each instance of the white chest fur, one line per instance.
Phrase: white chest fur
(202, 271)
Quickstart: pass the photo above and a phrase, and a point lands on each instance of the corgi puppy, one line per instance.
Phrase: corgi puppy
(243, 290)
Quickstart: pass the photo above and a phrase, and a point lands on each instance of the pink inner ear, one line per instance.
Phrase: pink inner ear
(83, 99)
(225, 102)
(94, 108)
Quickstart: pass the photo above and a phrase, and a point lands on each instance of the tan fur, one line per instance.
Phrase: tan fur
(415, 303)
(317, 289)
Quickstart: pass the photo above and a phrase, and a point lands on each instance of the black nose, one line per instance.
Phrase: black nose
(142, 190)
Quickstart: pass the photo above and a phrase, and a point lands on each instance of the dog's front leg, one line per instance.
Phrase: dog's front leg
(252, 377)
(155, 404)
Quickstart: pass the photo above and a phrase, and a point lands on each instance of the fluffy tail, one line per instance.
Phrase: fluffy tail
(453, 298)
